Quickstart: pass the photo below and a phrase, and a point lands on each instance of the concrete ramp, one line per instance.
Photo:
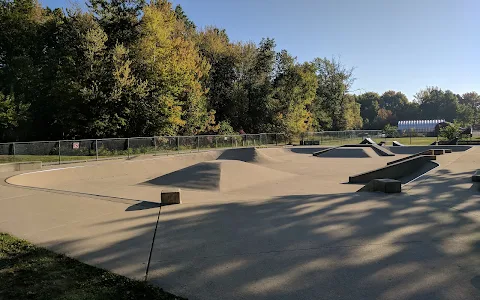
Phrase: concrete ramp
(382, 151)
(397, 144)
(219, 175)
(396, 171)
(367, 141)
(252, 155)
(348, 152)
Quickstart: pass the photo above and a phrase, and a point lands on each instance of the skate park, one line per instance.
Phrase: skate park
(265, 222)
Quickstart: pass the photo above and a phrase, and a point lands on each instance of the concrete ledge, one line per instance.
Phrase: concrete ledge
(378, 149)
(438, 151)
(476, 176)
(383, 185)
(394, 171)
(21, 166)
(416, 149)
(171, 196)
(428, 152)
(318, 153)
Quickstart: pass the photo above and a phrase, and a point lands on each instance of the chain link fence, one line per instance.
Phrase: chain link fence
(333, 138)
(65, 151)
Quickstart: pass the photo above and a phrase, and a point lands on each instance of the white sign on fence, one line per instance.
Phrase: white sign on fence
(76, 145)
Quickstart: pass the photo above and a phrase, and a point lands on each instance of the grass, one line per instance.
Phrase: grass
(30, 272)
(42, 158)
(415, 141)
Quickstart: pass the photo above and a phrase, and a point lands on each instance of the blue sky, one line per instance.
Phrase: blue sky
(403, 45)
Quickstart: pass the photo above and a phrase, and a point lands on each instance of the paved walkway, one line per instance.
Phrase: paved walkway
(317, 242)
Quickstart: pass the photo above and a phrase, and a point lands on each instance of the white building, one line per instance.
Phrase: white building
(420, 126)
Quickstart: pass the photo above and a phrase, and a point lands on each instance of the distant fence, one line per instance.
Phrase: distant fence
(339, 137)
(96, 149)
(64, 151)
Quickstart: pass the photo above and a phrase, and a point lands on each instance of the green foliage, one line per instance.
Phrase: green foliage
(30, 272)
(225, 128)
(437, 104)
(334, 82)
(450, 131)
(142, 68)
(11, 113)
(390, 130)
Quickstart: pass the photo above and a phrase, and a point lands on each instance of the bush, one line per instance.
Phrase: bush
(451, 131)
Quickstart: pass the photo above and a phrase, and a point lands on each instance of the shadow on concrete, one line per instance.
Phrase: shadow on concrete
(345, 153)
(307, 150)
(241, 154)
(423, 245)
(201, 176)
(144, 205)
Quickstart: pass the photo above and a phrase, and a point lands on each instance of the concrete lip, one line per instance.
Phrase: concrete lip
(20, 166)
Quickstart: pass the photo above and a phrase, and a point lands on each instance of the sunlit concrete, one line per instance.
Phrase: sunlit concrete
(261, 224)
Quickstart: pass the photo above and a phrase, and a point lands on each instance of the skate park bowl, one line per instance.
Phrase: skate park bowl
(212, 175)
(226, 174)
(262, 223)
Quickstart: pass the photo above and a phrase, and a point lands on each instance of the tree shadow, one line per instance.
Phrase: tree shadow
(423, 244)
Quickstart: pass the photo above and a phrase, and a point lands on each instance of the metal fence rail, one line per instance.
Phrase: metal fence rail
(97, 149)
(64, 151)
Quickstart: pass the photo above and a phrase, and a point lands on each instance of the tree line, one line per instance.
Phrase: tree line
(136, 68)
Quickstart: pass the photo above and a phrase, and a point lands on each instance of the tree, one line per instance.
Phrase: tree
(351, 113)
(393, 101)
(119, 19)
(334, 81)
(295, 87)
(437, 104)
(450, 132)
(472, 101)
(384, 117)
(390, 131)
(465, 115)
(173, 68)
(369, 106)
(215, 47)
(11, 115)
(180, 14)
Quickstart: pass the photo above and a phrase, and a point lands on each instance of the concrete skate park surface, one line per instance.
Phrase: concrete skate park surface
(272, 223)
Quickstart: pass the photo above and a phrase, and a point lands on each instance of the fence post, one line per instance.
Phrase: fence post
(232, 140)
(155, 143)
(216, 142)
(128, 147)
(13, 150)
(178, 143)
(198, 143)
(59, 153)
(96, 149)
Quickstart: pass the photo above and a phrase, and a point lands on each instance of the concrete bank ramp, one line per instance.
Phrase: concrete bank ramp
(349, 152)
(367, 141)
(220, 175)
(405, 170)
(409, 150)
(252, 155)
